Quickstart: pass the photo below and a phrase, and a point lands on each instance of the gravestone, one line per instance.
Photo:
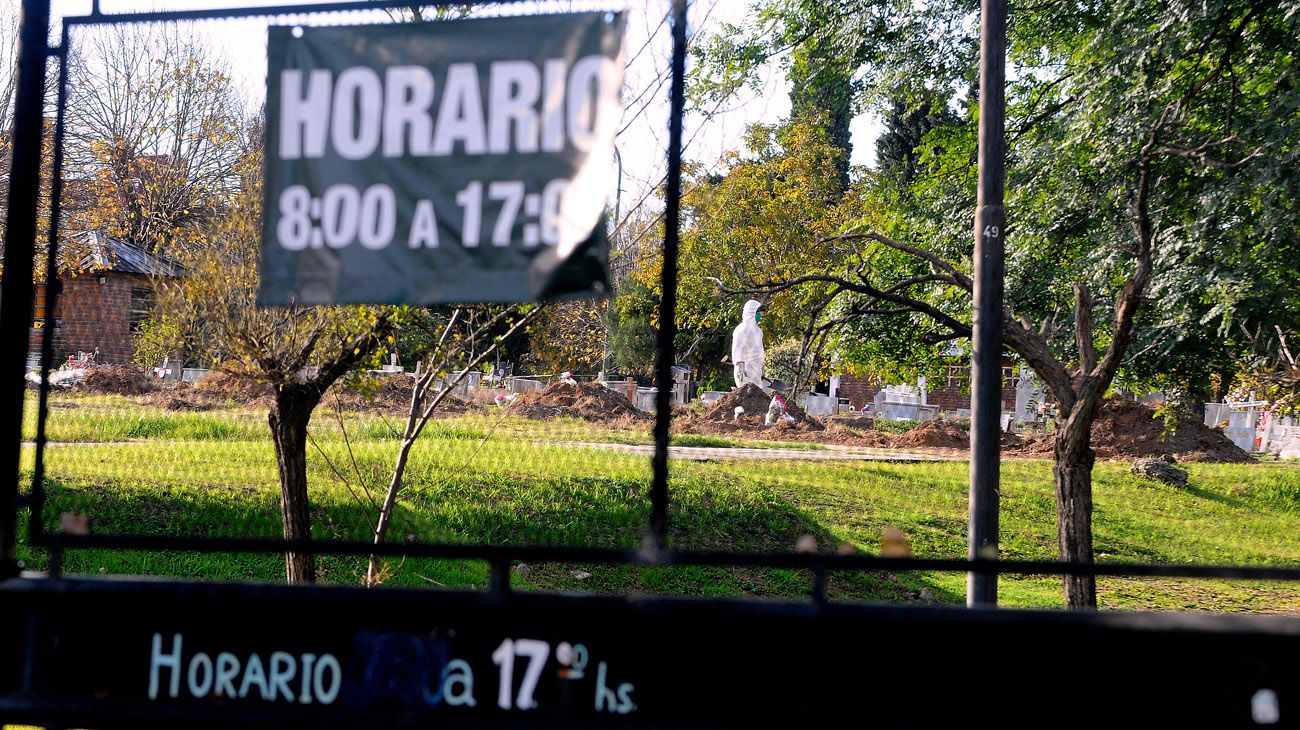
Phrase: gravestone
(816, 404)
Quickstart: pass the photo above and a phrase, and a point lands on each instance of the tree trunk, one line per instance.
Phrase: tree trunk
(1226, 376)
(390, 500)
(1198, 392)
(1072, 474)
(289, 418)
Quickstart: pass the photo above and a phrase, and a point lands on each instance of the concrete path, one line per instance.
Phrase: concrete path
(828, 453)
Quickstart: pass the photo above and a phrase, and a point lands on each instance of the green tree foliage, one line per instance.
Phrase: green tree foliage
(899, 147)
(479, 327)
(791, 363)
(1149, 145)
(632, 328)
(768, 216)
(569, 336)
(821, 87)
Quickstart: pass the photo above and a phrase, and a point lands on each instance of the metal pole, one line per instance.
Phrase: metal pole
(618, 191)
(20, 248)
(618, 206)
(986, 336)
(53, 293)
(665, 355)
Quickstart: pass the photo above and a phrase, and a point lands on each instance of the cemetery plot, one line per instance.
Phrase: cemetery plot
(196, 460)
(1124, 430)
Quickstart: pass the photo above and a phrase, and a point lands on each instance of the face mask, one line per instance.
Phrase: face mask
(758, 317)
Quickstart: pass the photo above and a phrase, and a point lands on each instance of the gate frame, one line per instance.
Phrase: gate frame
(15, 315)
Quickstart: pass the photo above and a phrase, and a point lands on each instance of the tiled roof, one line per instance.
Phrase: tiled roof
(118, 254)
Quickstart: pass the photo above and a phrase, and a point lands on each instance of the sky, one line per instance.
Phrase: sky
(642, 143)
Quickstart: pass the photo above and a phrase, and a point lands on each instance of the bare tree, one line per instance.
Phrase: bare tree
(434, 380)
(9, 18)
(8, 68)
(421, 13)
(154, 134)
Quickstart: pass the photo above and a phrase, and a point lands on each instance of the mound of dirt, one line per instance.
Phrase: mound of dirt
(115, 380)
(388, 394)
(755, 402)
(935, 435)
(582, 400)
(871, 439)
(177, 397)
(811, 431)
(220, 386)
(1126, 429)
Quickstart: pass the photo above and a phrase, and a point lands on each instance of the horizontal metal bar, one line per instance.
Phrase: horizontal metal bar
(361, 603)
(695, 558)
(163, 16)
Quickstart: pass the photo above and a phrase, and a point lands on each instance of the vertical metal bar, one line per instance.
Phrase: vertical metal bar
(20, 247)
(53, 291)
(618, 191)
(607, 351)
(665, 354)
(986, 338)
(55, 569)
(500, 576)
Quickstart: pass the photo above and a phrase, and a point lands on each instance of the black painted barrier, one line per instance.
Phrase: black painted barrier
(116, 652)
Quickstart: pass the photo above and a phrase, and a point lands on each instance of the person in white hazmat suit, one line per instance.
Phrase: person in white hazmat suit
(747, 347)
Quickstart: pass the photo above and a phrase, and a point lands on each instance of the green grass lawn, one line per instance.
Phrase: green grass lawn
(491, 478)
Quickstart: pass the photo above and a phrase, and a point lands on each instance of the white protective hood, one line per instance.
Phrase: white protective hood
(747, 353)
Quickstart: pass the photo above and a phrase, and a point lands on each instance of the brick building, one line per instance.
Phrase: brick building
(104, 305)
(949, 396)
